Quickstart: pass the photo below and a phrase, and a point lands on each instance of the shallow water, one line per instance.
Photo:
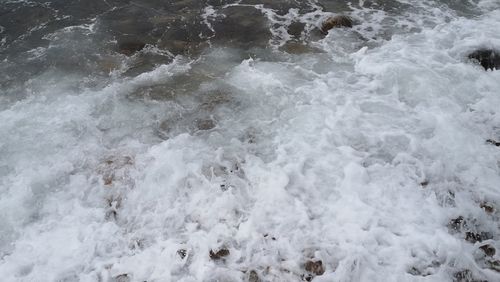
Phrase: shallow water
(241, 126)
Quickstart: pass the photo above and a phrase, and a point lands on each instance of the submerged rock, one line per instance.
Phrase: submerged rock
(489, 59)
(295, 29)
(336, 22)
(242, 27)
(297, 48)
(205, 124)
(121, 278)
(128, 48)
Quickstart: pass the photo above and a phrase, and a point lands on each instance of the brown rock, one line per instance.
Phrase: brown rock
(336, 22)
(315, 267)
(488, 208)
(108, 179)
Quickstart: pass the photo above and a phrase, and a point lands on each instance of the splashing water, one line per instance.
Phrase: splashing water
(235, 141)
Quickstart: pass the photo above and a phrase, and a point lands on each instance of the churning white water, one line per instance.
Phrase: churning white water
(364, 149)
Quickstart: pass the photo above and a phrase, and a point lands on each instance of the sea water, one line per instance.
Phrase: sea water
(239, 125)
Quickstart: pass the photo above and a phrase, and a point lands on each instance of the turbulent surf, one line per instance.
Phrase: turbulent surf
(250, 140)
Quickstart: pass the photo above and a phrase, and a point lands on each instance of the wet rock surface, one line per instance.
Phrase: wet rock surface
(470, 230)
(298, 48)
(253, 276)
(487, 207)
(457, 224)
(488, 250)
(315, 267)
(336, 22)
(474, 237)
(487, 58)
(182, 253)
(219, 254)
(493, 142)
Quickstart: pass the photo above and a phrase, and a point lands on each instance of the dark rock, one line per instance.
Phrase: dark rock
(315, 267)
(473, 237)
(424, 183)
(111, 215)
(219, 254)
(182, 253)
(128, 48)
(307, 277)
(336, 22)
(253, 276)
(488, 250)
(489, 59)
(457, 224)
(205, 124)
(493, 142)
(272, 237)
(477, 237)
(295, 29)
